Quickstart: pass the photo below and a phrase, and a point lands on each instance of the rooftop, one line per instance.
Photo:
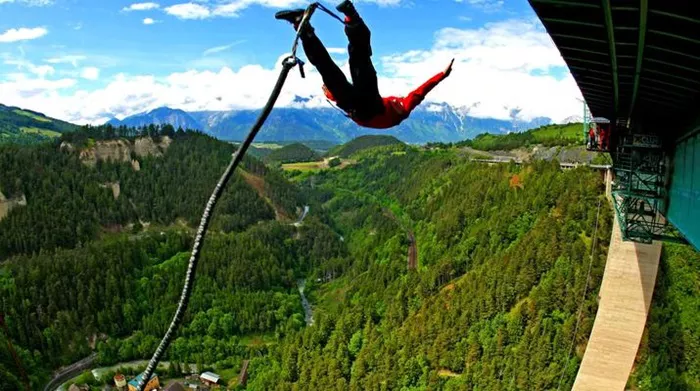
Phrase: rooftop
(135, 381)
(209, 376)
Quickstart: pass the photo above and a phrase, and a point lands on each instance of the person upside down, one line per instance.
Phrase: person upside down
(360, 100)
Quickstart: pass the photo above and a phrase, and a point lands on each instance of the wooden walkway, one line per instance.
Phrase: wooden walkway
(625, 296)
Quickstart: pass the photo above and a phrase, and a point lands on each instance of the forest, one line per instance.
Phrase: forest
(503, 255)
(547, 135)
(19, 126)
(361, 143)
(292, 153)
(68, 202)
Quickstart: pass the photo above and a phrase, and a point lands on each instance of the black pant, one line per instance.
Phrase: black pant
(361, 99)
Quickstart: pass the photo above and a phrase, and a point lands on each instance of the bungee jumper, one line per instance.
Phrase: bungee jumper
(360, 100)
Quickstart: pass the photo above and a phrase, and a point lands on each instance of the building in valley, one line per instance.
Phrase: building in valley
(153, 383)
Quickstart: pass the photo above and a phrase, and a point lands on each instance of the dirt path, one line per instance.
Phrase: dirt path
(412, 258)
(258, 183)
(412, 251)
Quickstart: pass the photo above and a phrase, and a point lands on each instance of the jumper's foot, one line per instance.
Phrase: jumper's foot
(292, 16)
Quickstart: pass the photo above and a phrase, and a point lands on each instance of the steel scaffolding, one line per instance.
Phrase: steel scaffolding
(639, 190)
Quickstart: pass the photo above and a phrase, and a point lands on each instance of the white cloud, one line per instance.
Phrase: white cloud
(39, 70)
(484, 5)
(141, 7)
(149, 21)
(493, 71)
(188, 11)
(500, 70)
(31, 3)
(20, 88)
(232, 8)
(222, 48)
(67, 59)
(90, 73)
(22, 34)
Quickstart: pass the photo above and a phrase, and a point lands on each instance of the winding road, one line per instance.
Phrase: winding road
(70, 372)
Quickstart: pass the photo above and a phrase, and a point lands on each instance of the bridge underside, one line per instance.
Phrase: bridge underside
(637, 63)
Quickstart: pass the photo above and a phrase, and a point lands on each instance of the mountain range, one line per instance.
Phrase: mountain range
(429, 122)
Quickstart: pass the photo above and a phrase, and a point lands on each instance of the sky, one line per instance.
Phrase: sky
(87, 61)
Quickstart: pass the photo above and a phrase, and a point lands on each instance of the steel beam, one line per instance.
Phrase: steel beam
(589, 70)
(605, 64)
(670, 64)
(673, 51)
(583, 50)
(613, 54)
(685, 79)
(676, 36)
(665, 91)
(574, 22)
(672, 15)
(580, 37)
(643, 10)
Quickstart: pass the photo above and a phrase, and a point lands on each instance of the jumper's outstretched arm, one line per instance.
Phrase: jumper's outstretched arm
(415, 97)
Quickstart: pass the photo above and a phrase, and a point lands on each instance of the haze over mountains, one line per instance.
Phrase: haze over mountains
(429, 122)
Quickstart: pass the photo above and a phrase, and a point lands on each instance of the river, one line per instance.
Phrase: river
(308, 314)
(303, 216)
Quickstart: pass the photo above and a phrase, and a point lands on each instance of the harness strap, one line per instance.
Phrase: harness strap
(338, 108)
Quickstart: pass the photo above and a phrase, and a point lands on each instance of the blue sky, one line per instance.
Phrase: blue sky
(88, 60)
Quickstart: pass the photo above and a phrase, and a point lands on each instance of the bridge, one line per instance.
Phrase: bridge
(564, 165)
(637, 64)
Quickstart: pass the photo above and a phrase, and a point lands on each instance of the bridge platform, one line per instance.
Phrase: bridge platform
(625, 297)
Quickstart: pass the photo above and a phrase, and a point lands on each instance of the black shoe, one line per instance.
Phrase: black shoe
(292, 16)
(347, 8)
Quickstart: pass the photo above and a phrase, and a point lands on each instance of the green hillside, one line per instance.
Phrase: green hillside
(292, 153)
(491, 302)
(361, 143)
(548, 135)
(27, 127)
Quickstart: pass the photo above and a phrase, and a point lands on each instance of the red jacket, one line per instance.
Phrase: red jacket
(398, 109)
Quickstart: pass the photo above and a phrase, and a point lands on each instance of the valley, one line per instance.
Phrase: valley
(413, 267)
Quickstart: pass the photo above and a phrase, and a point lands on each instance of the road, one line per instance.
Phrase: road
(505, 159)
(70, 371)
(412, 246)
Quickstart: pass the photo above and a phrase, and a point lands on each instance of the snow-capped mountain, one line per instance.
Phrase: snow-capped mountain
(429, 122)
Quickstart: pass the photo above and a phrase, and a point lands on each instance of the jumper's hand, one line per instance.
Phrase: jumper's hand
(448, 70)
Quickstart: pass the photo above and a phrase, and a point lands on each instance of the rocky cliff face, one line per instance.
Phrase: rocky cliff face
(121, 150)
(146, 146)
(112, 150)
(7, 204)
